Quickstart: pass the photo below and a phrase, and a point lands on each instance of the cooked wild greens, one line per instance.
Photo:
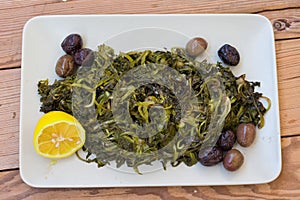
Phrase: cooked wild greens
(141, 107)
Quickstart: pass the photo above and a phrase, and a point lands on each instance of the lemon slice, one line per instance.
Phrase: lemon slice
(58, 135)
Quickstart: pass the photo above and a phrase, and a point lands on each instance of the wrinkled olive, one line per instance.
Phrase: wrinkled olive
(233, 160)
(84, 56)
(196, 47)
(65, 66)
(210, 156)
(226, 140)
(229, 55)
(71, 44)
(245, 134)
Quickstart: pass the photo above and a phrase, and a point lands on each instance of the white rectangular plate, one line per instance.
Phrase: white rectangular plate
(252, 35)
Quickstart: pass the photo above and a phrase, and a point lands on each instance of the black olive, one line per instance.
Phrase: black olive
(65, 66)
(72, 43)
(226, 140)
(84, 57)
(229, 55)
(245, 134)
(196, 47)
(210, 156)
(233, 160)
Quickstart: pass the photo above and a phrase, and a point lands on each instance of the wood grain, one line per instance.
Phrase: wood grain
(286, 23)
(288, 63)
(285, 187)
(15, 13)
(9, 115)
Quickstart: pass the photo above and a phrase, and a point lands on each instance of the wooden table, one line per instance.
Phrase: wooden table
(285, 17)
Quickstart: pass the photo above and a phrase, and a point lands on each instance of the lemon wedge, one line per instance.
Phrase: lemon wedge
(58, 135)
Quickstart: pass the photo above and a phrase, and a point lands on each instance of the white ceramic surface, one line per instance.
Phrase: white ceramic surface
(252, 35)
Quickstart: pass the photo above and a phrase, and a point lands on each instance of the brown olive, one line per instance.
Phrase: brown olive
(245, 134)
(226, 140)
(71, 44)
(229, 55)
(84, 56)
(65, 66)
(210, 156)
(233, 160)
(196, 47)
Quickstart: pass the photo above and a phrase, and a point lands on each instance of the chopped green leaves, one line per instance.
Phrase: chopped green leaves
(141, 107)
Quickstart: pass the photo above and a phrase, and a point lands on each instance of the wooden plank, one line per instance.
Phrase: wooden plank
(136, 6)
(286, 187)
(286, 23)
(9, 115)
(289, 85)
(15, 13)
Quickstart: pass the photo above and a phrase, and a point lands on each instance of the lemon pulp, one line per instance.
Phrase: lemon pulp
(58, 135)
